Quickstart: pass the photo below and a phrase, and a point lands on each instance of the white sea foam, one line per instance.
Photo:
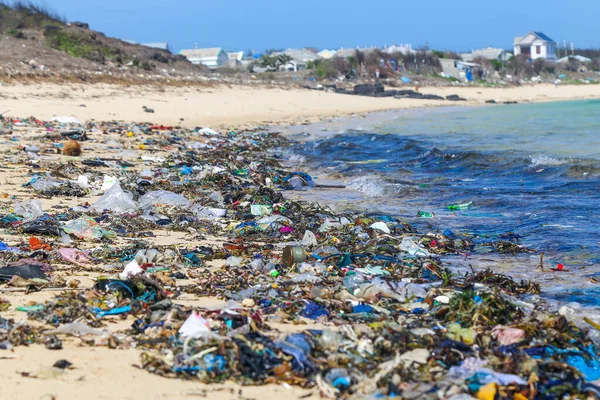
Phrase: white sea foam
(545, 160)
(292, 158)
(372, 186)
(296, 158)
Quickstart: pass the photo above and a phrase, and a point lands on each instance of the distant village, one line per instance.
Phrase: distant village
(535, 48)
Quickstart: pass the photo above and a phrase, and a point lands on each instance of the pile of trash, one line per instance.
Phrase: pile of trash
(369, 306)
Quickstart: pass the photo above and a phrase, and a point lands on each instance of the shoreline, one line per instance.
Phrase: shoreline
(238, 107)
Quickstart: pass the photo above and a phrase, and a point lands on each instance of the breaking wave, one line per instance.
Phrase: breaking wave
(372, 186)
(545, 160)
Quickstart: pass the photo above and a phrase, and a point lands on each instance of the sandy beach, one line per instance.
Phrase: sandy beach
(100, 372)
(194, 207)
(103, 373)
(222, 106)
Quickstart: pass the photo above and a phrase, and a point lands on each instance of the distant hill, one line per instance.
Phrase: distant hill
(37, 42)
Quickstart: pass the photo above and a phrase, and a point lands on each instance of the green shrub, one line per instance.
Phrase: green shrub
(451, 79)
(71, 44)
(438, 54)
(266, 76)
(16, 34)
(146, 65)
(496, 64)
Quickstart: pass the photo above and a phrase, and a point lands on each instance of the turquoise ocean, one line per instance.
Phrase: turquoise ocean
(531, 173)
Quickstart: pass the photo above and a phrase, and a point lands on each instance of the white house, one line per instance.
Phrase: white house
(345, 53)
(579, 58)
(235, 58)
(212, 57)
(535, 45)
(299, 59)
(489, 53)
(461, 70)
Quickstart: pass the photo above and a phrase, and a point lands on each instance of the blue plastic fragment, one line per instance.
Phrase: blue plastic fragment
(303, 175)
(115, 311)
(32, 180)
(363, 308)
(313, 311)
(341, 383)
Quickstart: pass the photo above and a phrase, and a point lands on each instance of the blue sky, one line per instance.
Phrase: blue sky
(259, 24)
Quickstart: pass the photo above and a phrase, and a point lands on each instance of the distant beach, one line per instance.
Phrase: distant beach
(238, 106)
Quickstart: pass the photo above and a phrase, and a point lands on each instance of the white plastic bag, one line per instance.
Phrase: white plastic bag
(29, 209)
(83, 182)
(131, 269)
(108, 182)
(77, 329)
(381, 226)
(165, 198)
(409, 246)
(309, 239)
(45, 183)
(195, 326)
(115, 200)
(208, 213)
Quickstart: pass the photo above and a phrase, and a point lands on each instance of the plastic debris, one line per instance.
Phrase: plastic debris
(415, 357)
(260, 210)
(409, 246)
(29, 209)
(207, 263)
(507, 336)
(195, 327)
(66, 120)
(463, 206)
(309, 239)
(108, 182)
(115, 200)
(163, 198)
(381, 226)
(74, 256)
(27, 269)
(131, 269)
(86, 228)
(76, 329)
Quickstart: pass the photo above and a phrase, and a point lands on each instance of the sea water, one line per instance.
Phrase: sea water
(531, 171)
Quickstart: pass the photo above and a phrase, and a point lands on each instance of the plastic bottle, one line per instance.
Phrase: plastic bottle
(270, 266)
(331, 339)
(353, 282)
(463, 206)
(257, 264)
(234, 261)
(338, 378)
